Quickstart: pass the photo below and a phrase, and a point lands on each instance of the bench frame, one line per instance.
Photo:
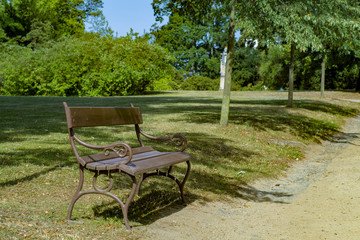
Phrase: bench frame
(119, 150)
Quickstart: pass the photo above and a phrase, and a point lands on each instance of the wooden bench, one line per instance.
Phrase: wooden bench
(139, 163)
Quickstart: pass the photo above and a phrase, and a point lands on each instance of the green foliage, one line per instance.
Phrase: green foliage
(200, 83)
(197, 31)
(100, 25)
(40, 33)
(341, 72)
(275, 64)
(17, 17)
(344, 68)
(195, 34)
(311, 25)
(256, 86)
(3, 36)
(245, 66)
(164, 84)
(86, 66)
(273, 71)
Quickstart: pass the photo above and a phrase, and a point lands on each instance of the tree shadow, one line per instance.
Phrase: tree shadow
(312, 105)
(29, 117)
(43, 115)
(27, 178)
(147, 208)
(24, 118)
(276, 119)
(348, 138)
(156, 204)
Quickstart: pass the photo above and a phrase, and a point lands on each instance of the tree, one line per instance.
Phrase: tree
(100, 25)
(40, 33)
(197, 13)
(195, 33)
(18, 17)
(306, 25)
(228, 70)
(322, 80)
(338, 25)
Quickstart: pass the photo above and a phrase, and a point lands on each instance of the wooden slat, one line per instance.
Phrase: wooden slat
(157, 162)
(142, 162)
(104, 116)
(101, 156)
(114, 163)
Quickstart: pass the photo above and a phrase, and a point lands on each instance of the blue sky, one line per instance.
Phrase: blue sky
(125, 14)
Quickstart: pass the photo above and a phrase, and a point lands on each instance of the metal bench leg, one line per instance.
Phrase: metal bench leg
(167, 174)
(142, 177)
(78, 193)
(125, 207)
(184, 181)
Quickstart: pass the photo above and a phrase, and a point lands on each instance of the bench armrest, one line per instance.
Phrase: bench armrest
(177, 138)
(121, 149)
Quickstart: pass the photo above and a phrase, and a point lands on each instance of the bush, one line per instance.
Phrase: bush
(163, 84)
(200, 83)
(85, 66)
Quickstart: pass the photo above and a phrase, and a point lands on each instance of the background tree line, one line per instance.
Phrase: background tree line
(196, 34)
(45, 49)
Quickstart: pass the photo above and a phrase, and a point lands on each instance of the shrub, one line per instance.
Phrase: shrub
(200, 83)
(85, 66)
(163, 84)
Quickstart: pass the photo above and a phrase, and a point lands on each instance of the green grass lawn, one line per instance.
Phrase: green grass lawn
(38, 171)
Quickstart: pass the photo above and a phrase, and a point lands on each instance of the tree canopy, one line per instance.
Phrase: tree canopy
(55, 18)
(196, 33)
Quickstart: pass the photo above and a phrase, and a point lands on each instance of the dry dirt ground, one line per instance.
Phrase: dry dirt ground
(318, 199)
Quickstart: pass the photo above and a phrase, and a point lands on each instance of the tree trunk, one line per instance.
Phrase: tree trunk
(322, 87)
(228, 70)
(212, 50)
(291, 76)
(358, 78)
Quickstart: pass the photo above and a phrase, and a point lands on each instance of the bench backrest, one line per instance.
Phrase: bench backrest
(101, 116)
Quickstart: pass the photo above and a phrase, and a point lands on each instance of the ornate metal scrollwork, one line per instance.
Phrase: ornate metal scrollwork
(120, 149)
(177, 139)
(99, 189)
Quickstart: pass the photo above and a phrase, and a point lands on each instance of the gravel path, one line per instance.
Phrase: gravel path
(319, 199)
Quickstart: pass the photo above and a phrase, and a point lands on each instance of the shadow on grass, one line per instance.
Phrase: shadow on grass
(41, 156)
(27, 178)
(24, 118)
(157, 204)
(147, 208)
(43, 115)
(313, 105)
(277, 120)
(348, 138)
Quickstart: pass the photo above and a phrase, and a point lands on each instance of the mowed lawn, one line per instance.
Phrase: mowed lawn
(39, 173)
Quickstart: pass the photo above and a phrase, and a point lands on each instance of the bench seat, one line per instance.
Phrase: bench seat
(144, 160)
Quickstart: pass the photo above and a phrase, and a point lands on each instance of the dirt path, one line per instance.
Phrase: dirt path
(319, 199)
